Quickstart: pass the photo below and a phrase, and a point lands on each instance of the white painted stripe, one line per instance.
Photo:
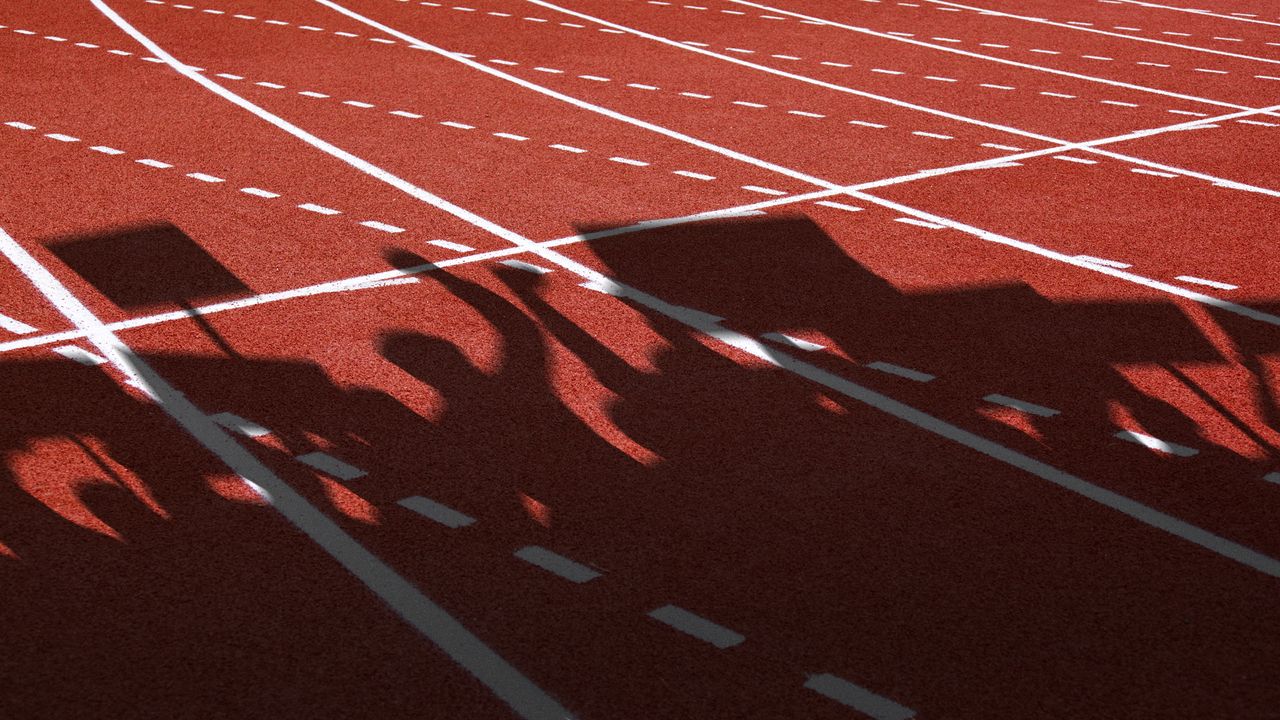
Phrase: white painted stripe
(259, 192)
(1058, 95)
(998, 146)
(641, 86)
(882, 71)
(919, 223)
(1022, 405)
(567, 148)
(460, 126)
(510, 136)
(1119, 103)
(557, 564)
(859, 698)
(91, 46)
(405, 114)
(1103, 261)
(374, 224)
(697, 626)
(596, 78)
(1082, 161)
(1045, 52)
(922, 133)
(273, 86)
(1211, 283)
(357, 103)
(153, 163)
(433, 510)
(1157, 173)
(450, 245)
(549, 70)
(802, 113)
(80, 355)
(527, 267)
(105, 150)
(1154, 64)
(384, 41)
(700, 96)
(694, 175)
(1096, 57)
(836, 64)
(746, 103)
(608, 288)
(1258, 122)
(1209, 70)
(205, 178)
(120, 52)
(629, 161)
(1192, 113)
(62, 138)
(20, 125)
(320, 209)
(795, 342)
(763, 190)
(17, 327)
(229, 76)
(1156, 444)
(235, 423)
(838, 205)
(997, 87)
(864, 123)
(340, 33)
(1272, 477)
(312, 94)
(504, 62)
(940, 79)
(330, 465)
(900, 371)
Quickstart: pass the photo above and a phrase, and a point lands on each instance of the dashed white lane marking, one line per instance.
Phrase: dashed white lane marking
(1023, 405)
(449, 245)
(803, 113)
(1266, 77)
(357, 103)
(1192, 113)
(62, 138)
(1082, 161)
(406, 114)
(1057, 95)
(527, 267)
(996, 87)
(568, 148)
(1257, 122)
(642, 86)
(1209, 70)
(202, 177)
(763, 190)
(1103, 261)
(859, 698)
(229, 76)
(838, 205)
(1153, 64)
(154, 163)
(235, 423)
(795, 342)
(556, 563)
(314, 94)
(1157, 173)
(265, 84)
(998, 146)
(20, 125)
(433, 510)
(330, 465)
(17, 327)
(1119, 103)
(1156, 444)
(940, 79)
(937, 136)
(259, 192)
(694, 175)
(903, 372)
(319, 209)
(510, 136)
(606, 288)
(105, 150)
(865, 123)
(384, 227)
(882, 71)
(697, 626)
(629, 161)
(80, 355)
(919, 223)
(747, 103)
(1272, 477)
(1210, 283)
(460, 126)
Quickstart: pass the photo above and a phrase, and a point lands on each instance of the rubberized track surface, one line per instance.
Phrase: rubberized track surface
(640, 359)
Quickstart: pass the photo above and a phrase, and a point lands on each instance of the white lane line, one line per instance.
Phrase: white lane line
(1156, 444)
(384, 227)
(882, 71)
(568, 148)
(998, 146)
(1103, 261)
(460, 126)
(1057, 95)
(1266, 77)
(1157, 173)
(1272, 477)
(1154, 64)
(553, 71)
(697, 626)
(838, 205)
(694, 175)
(642, 86)
(312, 94)
(1239, 17)
(504, 62)
(405, 114)
(450, 245)
(259, 192)
(997, 87)
(525, 266)
(80, 355)
(1258, 122)
(1211, 283)
(940, 79)
(1192, 113)
(835, 64)
(433, 510)
(1082, 161)
(1022, 405)
(62, 138)
(864, 123)
(699, 96)
(919, 223)
(357, 103)
(903, 372)
(319, 209)
(763, 190)
(204, 178)
(154, 163)
(403, 597)
(106, 150)
(595, 78)
(237, 424)
(795, 342)
(1119, 103)
(557, 564)
(803, 113)
(330, 465)
(1214, 72)
(859, 698)
(229, 76)
(17, 327)
(516, 689)
(273, 86)
(20, 125)
(747, 103)
(629, 161)
(1045, 52)
(510, 136)
(938, 136)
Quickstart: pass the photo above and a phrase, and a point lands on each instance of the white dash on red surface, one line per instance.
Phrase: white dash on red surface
(1210, 283)
(17, 327)
(1103, 261)
(449, 245)
(763, 190)
(80, 355)
(567, 148)
(62, 138)
(20, 125)
(330, 465)
(1157, 173)
(697, 626)
(919, 223)
(105, 150)
(1021, 405)
(795, 342)
(433, 510)
(357, 103)
(629, 161)
(202, 177)
(527, 267)
(557, 564)
(1156, 444)
(258, 192)
(384, 227)
(154, 163)
(319, 209)
(460, 126)
(510, 136)
(903, 372)
(312, 94)
(862, 700)
(694, 175)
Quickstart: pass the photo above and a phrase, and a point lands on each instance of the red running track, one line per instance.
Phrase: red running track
(635, 359)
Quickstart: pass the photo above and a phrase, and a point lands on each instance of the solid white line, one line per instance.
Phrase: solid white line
(17, 327)
(1102, 261)
(763, 190)
(504, 680)
(1156, 444)
(919, 223)
(1232, 16)
(1043, 21)
(1210, 283)
(1157, 173)
(235, 423)
(697, 626)
(556, 563)
(330, 465)
(1023, 405)
(859, 698)
(904, 372)
(433, 510)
